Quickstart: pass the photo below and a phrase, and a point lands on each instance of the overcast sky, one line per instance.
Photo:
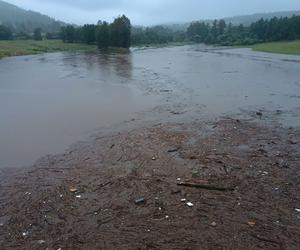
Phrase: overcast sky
(149, 12)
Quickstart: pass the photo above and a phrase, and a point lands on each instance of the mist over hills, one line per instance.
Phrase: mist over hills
(20, 20)
(246, 20)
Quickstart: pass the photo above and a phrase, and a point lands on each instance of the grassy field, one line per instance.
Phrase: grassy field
(29, 47)
(291, 48)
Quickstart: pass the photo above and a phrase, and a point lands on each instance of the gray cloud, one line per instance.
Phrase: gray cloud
(149, 12)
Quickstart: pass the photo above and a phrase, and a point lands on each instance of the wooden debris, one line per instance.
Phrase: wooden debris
(205, 186)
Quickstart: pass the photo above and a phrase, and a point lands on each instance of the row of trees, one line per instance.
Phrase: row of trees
(116, 34)
(120, 33)
(7, 34)
(156, 35)
(275, 29)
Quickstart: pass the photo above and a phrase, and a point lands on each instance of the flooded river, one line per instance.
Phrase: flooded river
(48, 102)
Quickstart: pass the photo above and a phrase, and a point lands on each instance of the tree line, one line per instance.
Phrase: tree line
(115, 34)
(7, 34)
(264, 30)
(156, 35)
(120, 33)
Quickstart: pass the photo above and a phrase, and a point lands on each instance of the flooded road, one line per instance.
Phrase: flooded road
(48, 102)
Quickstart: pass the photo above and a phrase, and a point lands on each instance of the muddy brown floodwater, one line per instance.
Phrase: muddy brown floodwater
(189, 147)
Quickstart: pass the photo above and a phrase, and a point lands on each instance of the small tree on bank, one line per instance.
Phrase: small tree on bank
(37, 34)
(5, 33)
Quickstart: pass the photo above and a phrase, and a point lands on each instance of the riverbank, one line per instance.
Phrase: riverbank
(30, 47)
(224, 184)
(289, 48)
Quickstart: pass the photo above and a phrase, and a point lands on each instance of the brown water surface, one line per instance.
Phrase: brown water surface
(48, 102)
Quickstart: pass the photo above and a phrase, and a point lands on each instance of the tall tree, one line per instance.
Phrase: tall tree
(88, 33)
(102, 35)
(221, 27)
(68, 34)
(120, 31)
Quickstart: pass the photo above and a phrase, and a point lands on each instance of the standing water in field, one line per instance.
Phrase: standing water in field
(48, 102)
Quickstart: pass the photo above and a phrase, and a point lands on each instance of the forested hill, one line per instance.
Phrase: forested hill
(20, 20)
(246, 20)
(249, 19)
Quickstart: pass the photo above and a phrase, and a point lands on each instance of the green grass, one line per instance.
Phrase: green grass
(290, 48)
(29, 47)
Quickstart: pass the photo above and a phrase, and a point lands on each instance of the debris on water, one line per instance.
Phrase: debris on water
(41, 242)
(214, 224)
(78, 196)
(73, 190)
(195, 173)
(175, 191)
(292, 142)
(261, 150)
(24, 234)
(4, 220)
(251, 223)
(139, 201)
(173, 150)
(190, 204)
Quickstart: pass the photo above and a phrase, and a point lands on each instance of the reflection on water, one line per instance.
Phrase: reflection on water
(49, 101)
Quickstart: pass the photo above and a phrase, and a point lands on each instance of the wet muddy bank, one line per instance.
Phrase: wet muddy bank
(121, 191)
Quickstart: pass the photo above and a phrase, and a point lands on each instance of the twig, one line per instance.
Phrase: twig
(102, 185)
(205, 186)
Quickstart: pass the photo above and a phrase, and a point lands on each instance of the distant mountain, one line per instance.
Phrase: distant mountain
(248, 19)
(236, 20)
(20, 20)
